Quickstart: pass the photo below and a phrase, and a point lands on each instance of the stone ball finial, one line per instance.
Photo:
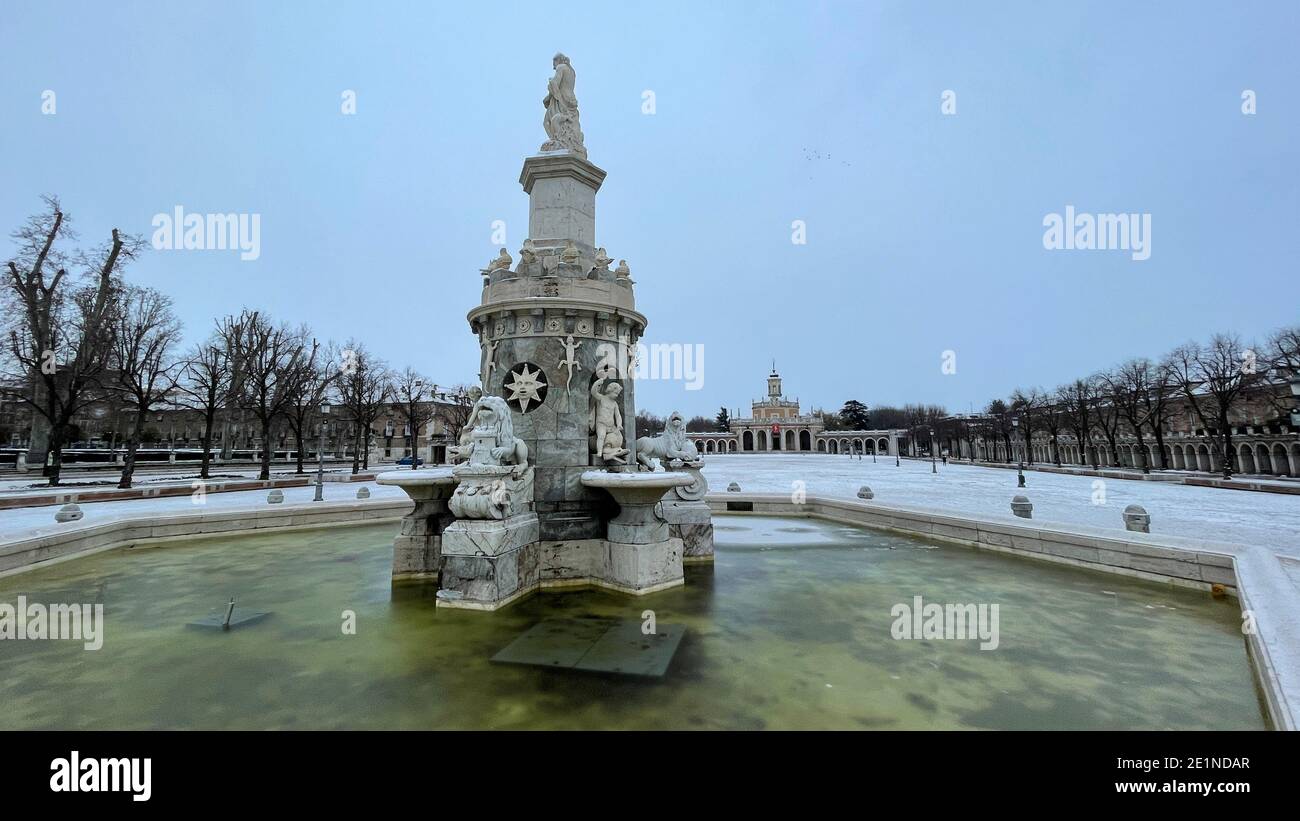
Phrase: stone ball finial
(733, 488)
(1137, 519)
(1021, 506)
(864, 492)
(275, 497)
(363, 493)
(68, 513)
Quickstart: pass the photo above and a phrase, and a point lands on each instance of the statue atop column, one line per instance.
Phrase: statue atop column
(561, 120)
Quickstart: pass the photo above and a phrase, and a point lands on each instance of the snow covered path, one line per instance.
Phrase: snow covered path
(1268, 519)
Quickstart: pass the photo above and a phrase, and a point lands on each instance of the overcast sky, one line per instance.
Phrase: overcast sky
(924, 230)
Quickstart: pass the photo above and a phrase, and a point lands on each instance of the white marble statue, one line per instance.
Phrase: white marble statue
(622, 270)
(605, 422)
(602, 259)
(561, 120)
(670, 445)
(496, 481)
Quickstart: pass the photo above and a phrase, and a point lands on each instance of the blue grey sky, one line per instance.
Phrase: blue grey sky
(924, 231)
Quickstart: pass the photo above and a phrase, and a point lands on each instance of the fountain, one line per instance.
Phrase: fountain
(549, 486)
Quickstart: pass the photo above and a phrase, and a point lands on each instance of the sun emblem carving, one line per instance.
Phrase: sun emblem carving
(527, 386)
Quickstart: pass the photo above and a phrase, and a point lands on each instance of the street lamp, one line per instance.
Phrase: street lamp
(320, 455)
(1020, 454)
(1295, 393)
(933, 467)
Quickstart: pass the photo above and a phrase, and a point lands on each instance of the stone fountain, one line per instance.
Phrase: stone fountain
(549, 486)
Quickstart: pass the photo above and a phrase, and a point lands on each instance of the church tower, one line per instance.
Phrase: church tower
(774, 383)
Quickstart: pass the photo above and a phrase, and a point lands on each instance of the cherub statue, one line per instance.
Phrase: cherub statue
(606, 421)
(602, 259)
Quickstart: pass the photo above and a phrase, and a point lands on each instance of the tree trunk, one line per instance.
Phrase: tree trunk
(265, 472)
(205, 466)
(297, 435)
(356, 449)
(55, 454)
(1160, 444)
(132, 443)
(1228, 452)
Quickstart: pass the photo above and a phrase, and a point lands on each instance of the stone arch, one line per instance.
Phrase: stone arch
(747, 440)
(1246, 459)
(835, 446)
(1295, 459)
(805, 440)
(790, 440)
(857, 445)
(1280, 466)
(761, 440)
(821, 445)
(1262, 462)
(709, 446)
(882, 445)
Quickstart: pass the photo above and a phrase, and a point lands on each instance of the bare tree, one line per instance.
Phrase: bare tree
(1106, 413)
(454, 412)
(365, 387)
(205, 386)
(1127, 386)
(1027, 406)
(413, 394)
(269, 357)
(1075, 400)
(309, 387)
(1000, 424)
(145, 332)
(59, 328)
(1213, 379)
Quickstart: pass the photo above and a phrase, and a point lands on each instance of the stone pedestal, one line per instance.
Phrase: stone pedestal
(688, 515)
(562, 190)
(417, 550)
(488, 563)
(643, 555)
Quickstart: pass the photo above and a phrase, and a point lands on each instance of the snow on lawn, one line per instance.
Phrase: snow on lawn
(21, 523)
(1271, 519)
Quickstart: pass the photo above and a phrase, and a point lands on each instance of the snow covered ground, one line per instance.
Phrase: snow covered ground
(1248, 517)
(1268, 519)
(21, 523)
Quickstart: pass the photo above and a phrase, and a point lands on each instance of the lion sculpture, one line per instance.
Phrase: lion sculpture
(667, 446)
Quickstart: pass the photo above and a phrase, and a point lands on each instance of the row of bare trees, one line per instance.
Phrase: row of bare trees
(1136, 399)
(77, 335)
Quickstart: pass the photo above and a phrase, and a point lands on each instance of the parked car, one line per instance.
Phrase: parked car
(406, 460)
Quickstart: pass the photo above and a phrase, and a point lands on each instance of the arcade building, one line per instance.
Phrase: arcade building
(776, 424)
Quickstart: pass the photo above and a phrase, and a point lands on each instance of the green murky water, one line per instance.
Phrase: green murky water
(790, 629)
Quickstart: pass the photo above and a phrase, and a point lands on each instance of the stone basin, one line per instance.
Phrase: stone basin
(422, 485)
(637, 495)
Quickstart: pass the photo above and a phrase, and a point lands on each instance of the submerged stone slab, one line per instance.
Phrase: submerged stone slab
(595, 646)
